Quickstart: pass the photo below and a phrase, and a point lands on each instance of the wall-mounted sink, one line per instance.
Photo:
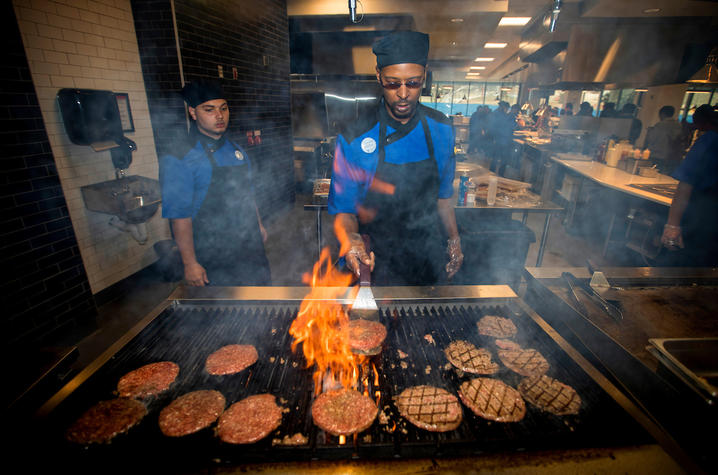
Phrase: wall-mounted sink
(134, 199)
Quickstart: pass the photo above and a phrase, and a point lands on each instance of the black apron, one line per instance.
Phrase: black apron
(227, 239)
(700, 229)
(405, 231)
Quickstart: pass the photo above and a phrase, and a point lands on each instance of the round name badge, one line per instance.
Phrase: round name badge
(368, 145)
(239, 155)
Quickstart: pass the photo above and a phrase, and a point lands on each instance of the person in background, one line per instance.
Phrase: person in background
(477, 129)
(609, 110)
(514, 111)
(568, 110)
(585, 109)
(666, 141)
(691, 231)
(501, 126)
(208, 196)
(629, 112)
(393, 176)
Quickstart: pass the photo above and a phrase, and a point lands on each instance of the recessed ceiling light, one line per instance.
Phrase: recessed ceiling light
(495, 45)
(514, 20)
(484, 60)
(651, 10)
(457, 20)
(477, 67)
(641, 90)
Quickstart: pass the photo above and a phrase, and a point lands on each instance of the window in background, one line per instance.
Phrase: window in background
(510, 93)
(493, 95)
(476, 96)
(593, 98)
(694, 99)
(461, 98)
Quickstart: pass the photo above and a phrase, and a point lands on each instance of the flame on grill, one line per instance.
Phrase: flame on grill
(321, 326)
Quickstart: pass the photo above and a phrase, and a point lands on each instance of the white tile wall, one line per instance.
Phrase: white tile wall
(92, 44)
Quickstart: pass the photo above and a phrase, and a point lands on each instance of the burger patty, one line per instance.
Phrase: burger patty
(366, 336)
(550, 395)
(148, 380)
(343, 411)
(249, 420)
(498, 327)
(102, 422)
(493, 400)
(467, 357)
(191, 412)
(231, 359)
(526, 362)
(430, 408)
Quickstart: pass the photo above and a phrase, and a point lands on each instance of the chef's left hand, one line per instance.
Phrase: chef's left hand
(456, 258)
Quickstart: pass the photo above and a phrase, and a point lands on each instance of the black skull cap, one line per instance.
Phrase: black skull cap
(199, 92)
(402, 47)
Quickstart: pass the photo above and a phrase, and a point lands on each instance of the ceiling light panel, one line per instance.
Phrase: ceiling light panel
(514, 20)
(483, 60)
(495, 45)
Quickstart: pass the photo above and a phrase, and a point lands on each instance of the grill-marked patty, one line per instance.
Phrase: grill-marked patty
(498, 327)
(366, 336)
(526, 362)
(249, 420)
(148, 380)
(467, 357)
(105, 420)
(343, 411)
(231, 359)
(550, 395)
(430, 408)
(191, 412)
(492, 399)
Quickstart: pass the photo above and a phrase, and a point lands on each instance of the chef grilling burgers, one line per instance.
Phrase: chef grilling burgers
(393, 174)
(208, 195)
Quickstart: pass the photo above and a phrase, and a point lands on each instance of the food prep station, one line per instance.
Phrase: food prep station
(421, 322)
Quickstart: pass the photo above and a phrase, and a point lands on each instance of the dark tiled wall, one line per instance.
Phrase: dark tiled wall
(252, 37)
(44, 287)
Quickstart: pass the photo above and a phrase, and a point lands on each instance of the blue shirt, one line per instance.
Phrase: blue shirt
(700, 167)
(185, 180)
(357, 155)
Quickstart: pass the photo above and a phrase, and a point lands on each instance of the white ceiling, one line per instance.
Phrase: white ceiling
(459, 28)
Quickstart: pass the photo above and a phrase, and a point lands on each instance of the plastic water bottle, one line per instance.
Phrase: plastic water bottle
(462, 188)
(491, 194)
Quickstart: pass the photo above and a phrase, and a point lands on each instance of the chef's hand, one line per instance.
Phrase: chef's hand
(672, 237)
(357, 252)
(456, 258)
(195, 275)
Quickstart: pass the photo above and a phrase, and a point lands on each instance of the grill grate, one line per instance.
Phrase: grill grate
(187, 334)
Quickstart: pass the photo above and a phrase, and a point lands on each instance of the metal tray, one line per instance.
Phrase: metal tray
(693, 360)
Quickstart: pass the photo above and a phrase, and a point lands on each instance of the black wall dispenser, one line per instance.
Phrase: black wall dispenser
(92, 117)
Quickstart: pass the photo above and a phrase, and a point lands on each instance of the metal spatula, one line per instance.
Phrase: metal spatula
(364, 305)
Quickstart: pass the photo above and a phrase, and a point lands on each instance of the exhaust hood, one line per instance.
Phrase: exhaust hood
(708, 74)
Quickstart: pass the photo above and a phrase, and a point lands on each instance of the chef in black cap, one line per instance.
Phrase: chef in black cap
(208, 195)
(393, 173)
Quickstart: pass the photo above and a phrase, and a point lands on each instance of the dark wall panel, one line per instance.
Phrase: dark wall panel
(44, 288)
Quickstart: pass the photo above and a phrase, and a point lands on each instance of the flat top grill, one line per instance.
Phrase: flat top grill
(187, 333)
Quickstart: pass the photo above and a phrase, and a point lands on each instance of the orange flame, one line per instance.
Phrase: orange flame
(321, 325)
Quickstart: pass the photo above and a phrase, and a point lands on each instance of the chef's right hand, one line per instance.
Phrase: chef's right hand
(357, 252)
(195, 275)
(672, 237)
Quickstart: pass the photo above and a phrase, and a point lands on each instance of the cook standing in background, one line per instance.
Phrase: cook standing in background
(666, 140)
(691, 233)
(393, 176)
(208, 195)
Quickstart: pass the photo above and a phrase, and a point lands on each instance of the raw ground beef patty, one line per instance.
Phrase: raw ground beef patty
(430, 408)
(366, 336)
(492, 399)
(106, 419)
(498, 327)
(343, 411)
(231, 359)
(191, 412)
(148, 380)
(249, 420)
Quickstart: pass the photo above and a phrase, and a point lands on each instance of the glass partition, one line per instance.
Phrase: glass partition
(464, 97)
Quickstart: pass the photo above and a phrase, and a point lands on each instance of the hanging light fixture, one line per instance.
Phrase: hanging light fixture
(708, 74)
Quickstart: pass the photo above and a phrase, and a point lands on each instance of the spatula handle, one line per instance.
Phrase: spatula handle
(364, 269)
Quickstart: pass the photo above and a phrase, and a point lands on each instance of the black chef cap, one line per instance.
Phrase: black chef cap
(402, 47)
(198, 92)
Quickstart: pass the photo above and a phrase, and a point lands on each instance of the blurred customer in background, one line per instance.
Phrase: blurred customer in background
(691, 232)
(629, 112)
(585, 109)
(568, 110)
(666, 140)
(477, 130)
(609, 110)
(501, 126)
